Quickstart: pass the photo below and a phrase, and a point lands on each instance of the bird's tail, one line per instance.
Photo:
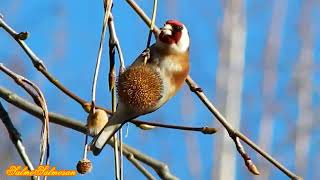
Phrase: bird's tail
(102, 138)
(114, 124)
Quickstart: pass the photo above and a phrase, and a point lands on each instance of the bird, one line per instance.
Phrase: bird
(150, 81)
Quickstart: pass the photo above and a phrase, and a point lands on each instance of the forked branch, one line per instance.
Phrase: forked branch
(232, 132)
(130, 152)
(39, 65)
(16, 138)
(39, 99)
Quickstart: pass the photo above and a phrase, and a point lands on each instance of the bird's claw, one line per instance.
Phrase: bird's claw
(146, 55)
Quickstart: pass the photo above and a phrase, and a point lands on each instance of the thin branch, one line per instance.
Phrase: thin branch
(34, 110)
(121, 154)
(153, 21)
(112, 77)
(112, 87)
(142, 15)
(40, 100)
(103, 32)
(15, 138)
(235, 133)
(158, 166)
(38, 64)
(198, 91)
(137, 164)
(161, 168)
(114, 42)
(204, 130)
(247, 160)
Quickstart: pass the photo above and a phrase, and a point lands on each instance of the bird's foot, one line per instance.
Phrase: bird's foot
(146, 55)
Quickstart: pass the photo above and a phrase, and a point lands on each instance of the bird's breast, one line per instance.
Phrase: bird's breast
(175, 69)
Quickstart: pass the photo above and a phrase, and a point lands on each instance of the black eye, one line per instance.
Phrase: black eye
(177, 28)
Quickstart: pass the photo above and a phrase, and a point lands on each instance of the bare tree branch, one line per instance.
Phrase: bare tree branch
(15, 138)
(112, 75)
(158, 166)
(86, 105)
(204, 130)
(37, 62)
(198, 91)
(40, 100)
(139, 166)
(161, 168)
(230, 83)
(113, 45)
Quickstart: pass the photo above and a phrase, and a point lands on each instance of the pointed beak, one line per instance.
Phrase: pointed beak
(167, 30)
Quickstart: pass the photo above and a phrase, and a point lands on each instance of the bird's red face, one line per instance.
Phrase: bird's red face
(171, 32)
(174, 37)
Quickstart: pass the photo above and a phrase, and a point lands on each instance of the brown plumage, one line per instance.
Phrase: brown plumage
(140, 88)
(178, 78)
(147, 85)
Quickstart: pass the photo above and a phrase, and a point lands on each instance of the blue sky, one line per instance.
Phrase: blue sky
(66, 34)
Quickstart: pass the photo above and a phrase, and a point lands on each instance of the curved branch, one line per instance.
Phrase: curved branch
(198, 91)
(136, 163)
(15, 138)
(38, 64)
(158, 166)
(39, 99)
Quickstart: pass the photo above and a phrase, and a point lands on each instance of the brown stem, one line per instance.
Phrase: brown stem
(158, 166)
(198, 91)
(38, 99)
(38, 64)
(15, 138)
(204, 130)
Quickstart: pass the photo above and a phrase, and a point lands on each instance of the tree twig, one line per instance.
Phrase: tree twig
(40, 100)
(158, 166)
(15, 138)
(112, 77)
(161, 168)
(103, 32)
(38, 64)
(153, 21)
(112, 88)
(198, 91)
(137, 164)
(204, 130)
(114, 42)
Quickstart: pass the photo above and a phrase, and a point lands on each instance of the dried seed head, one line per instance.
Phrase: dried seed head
(140, 88)
(96, 121)
(84, 166)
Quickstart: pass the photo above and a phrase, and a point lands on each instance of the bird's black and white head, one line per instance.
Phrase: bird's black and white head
(174, 35)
